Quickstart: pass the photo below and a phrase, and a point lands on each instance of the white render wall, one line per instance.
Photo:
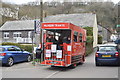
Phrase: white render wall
(95, 33)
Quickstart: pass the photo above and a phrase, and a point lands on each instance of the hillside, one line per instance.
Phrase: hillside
(107, 12)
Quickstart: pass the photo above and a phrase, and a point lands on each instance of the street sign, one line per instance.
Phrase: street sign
(37, 26)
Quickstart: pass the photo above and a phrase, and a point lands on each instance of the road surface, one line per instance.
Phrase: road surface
(86, 70)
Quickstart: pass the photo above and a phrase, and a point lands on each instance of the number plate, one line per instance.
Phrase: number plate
(106, 55)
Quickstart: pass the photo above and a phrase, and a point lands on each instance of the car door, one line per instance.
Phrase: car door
(21, 54)
(13, 53)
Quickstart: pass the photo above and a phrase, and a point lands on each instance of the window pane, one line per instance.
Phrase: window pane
(17, 49)
(6, 35)
(11, 49)
(107, 48)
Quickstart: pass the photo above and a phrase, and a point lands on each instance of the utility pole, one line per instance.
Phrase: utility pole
(41, 11)
(41, 17)
(41, 20)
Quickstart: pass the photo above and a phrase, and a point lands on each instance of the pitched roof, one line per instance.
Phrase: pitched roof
(19, 25)
(83, 19)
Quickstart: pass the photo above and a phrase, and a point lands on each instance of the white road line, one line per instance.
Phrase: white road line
(52, 74)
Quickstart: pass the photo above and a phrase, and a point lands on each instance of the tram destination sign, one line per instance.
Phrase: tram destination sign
(55, 25)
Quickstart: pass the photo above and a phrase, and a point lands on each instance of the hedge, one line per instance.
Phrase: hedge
(89, 31)
(89, 45)
(89, 49)
(100, 39)
(25, 47)
(89, 40)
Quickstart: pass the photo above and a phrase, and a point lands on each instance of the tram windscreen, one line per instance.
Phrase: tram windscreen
(59, 35)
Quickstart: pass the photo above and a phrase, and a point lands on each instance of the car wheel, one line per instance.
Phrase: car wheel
(10, 62)
(29, 58)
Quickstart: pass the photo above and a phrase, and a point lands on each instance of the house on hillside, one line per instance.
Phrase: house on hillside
(21, 31)
(105, 33)
(82, 20)
(17, 31)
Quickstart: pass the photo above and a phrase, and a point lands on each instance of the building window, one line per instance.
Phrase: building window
(6, 35)
(17, 34)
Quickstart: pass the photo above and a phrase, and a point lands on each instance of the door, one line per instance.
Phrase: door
(13, 53)
(22, 55)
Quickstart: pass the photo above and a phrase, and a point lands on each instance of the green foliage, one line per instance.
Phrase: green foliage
(89, 49)
(9, 43)
(106, 12)
(25, 47)
(99, 39)
(89, 31)
(89, 40)
(89, 45)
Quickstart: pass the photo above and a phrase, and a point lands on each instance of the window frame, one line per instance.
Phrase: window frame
(17, 34)
(6, 35)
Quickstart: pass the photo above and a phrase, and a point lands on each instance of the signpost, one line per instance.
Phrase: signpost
(37, 30)
(37, 26)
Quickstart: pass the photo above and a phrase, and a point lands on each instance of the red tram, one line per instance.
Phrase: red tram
(67, 46)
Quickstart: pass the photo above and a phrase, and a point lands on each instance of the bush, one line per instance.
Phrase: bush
(99, 39)
(89, 40)
(14, 44)
(25, 47)
(89, 49)
(89, 31)
(89, 45)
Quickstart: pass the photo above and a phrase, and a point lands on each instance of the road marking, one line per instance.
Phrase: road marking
(52, 74)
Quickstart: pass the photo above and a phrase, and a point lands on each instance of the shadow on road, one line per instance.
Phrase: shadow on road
(55, 68)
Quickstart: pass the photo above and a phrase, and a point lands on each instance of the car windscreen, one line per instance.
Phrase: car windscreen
(1, 49)
(107, 48)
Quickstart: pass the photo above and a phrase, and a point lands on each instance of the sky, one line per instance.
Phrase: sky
(26, 1)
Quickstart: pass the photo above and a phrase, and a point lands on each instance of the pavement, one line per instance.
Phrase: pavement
(86, 70)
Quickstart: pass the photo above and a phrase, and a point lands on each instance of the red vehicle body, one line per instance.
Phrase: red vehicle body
(70, 53)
